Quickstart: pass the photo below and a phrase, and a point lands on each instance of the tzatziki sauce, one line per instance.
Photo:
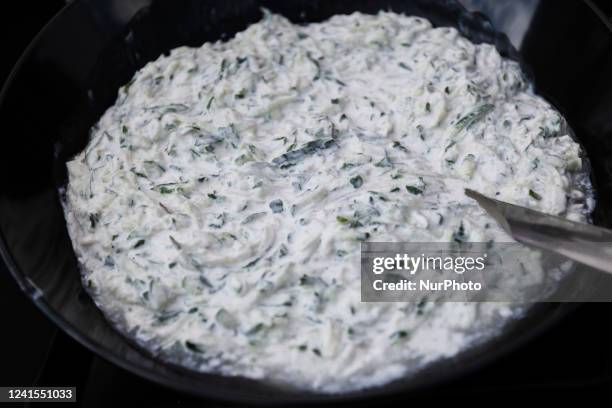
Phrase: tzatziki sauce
(219, 207)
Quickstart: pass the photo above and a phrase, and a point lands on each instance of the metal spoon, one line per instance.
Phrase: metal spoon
(584, 243)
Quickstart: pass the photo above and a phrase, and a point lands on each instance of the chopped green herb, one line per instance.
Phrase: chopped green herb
(276, 206)
(255, 329)
(385, 161)
(139, 174)
(414, 190)
(380, 196)
(356, 181)
(342, 219)
(399, 146)
(244, 158)
(93, 220)
(400, 334)
(194, 347)
(222, 67)
(305, 280)
(292, 157)
(253, 217)
(252, 263)
(535, 195)
(459, 235)
(175, 242)
(420, 307)
(241, 94)
(477, 114)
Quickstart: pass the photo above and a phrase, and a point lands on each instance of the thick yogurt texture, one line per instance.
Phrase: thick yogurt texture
(219, 206)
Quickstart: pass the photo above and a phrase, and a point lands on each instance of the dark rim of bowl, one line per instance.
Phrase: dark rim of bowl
(561, 309)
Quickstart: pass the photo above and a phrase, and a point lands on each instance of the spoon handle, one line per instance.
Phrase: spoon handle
(584, 243)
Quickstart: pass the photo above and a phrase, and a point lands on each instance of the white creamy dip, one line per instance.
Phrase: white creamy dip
(219, 206)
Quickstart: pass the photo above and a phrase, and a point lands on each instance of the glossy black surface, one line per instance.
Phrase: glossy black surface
(72, 72)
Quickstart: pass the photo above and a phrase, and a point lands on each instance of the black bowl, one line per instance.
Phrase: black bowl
(71, 73)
